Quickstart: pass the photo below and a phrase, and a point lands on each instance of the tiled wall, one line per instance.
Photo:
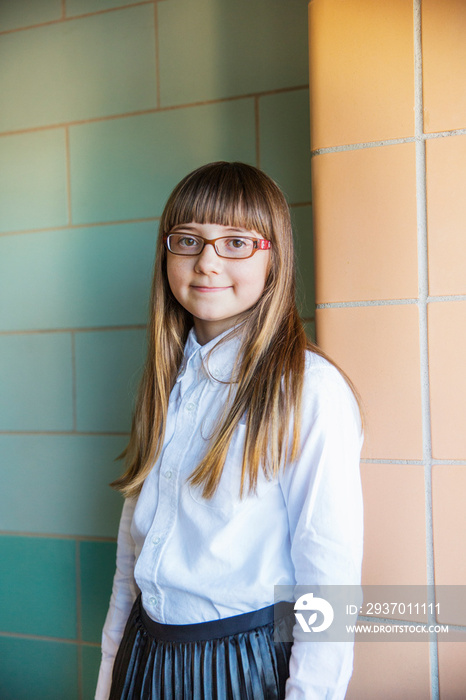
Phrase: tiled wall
(105, 105)
(388, 138)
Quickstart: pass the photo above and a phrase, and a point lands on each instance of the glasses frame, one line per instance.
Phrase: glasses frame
(259, 244)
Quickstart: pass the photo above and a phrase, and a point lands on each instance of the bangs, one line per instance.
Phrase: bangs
(227, 194)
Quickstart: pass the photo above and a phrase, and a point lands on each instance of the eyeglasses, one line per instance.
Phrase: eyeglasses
(225, 246)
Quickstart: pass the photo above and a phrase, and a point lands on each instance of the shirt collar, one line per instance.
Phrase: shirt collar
(216, 359)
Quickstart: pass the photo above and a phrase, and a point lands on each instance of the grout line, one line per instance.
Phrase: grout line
(79, 620)
(68, 173)
(378, 302)
(391, 302)
(449, 462)
(380, 460)
(387, 142)
(443, 134)
(450, 297)
(157, 56)
(39, 637)
(139, 326)
(35, 26)
(153, 110)
(74, 227)
(56, 536)
(68, 433)
(257, 131)
(82, 122)
(423, 283)
(43, 638)
(73, 382)
(362, 145)
(73, 18)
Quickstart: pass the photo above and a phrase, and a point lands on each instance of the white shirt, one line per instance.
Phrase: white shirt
(195, 560)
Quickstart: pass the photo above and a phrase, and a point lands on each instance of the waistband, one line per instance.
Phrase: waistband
(215, 629)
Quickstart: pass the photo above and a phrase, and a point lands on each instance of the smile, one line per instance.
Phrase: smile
(208, 289)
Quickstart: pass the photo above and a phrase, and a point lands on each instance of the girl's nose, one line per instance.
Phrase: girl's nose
(208, 260)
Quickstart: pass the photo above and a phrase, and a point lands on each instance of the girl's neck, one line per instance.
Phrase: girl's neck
(208, 330)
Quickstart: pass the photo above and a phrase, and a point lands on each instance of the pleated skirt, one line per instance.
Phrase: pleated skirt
(231, 659)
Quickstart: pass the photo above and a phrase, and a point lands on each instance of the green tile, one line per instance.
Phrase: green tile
(38, 586)
(37, 670)
(285, 142)
(58, 484)
(211, 49)
(33, 181)
(24, 13)
(98, 561)
(92, 67)
(108, 368)
(90, 670)
(302, 227)
(126, 168)
(77, 278)
(36, 380)
(81, 7)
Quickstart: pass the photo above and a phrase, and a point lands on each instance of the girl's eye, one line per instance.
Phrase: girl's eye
(236, 243)
(187, 242)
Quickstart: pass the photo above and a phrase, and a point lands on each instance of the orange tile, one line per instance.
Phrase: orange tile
(390, 671)
(394, 547)
(449, 520)
(443, 60)
(446, 214)
(452, 669)
(365, 227)
(361, 71)
(447, 342)
(378, 346)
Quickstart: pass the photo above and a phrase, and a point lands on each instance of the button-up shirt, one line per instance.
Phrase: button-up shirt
(196, 560)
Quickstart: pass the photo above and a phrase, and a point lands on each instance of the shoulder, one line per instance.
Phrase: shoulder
(319, 374)
(326, 391)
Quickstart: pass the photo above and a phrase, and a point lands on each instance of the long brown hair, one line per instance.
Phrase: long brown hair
(270, 373)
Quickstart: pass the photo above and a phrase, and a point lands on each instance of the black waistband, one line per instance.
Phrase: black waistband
(215, 629)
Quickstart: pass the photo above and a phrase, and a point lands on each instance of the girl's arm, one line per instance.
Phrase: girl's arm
(322, 491)
(124, 594)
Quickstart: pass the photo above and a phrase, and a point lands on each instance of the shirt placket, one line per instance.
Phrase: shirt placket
(170, 476)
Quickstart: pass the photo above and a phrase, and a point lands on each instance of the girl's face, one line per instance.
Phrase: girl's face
(215, 290)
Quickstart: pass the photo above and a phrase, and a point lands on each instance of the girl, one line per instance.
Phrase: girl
(242, 465)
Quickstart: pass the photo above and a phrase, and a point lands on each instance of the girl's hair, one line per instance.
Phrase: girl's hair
(269, 375)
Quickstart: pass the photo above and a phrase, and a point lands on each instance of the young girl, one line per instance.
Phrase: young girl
(242, 465)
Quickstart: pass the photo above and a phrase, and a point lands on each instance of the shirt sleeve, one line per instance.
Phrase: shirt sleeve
(322, 491)
(124, 594)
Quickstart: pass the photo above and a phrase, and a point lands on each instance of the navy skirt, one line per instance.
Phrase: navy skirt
(230, 659)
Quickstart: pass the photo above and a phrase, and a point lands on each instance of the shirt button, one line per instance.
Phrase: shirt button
(216, 373)
(168, 474)
(190, 406)
(153, 600)
(155, 540)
